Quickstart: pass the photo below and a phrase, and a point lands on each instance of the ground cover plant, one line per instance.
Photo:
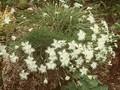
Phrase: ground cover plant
(54, 46)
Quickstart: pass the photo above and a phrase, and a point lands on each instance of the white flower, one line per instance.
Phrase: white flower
(72, 68)
(84, 71)
(58, 44)
(94, 37)
(24, 17)
(105, 24)
(91, 18)
(65, 6)
(13, 58)
(80, 47)
(76, 49)
(110, 63)
(29, 59)
(101, 41)
(77, 5)
(113, 54)
(88, 53)
(42, 68)
(81, 35)
(101, 44)
(30, 9)
(116, 45)
(67, 78)
(95, 28)
(51, 51)
(16, 46)
(91, 77)
(89, 8)
(27, 48)
(64, 58)
(52, 54)
(72, 45)
(102, 54)
(79, 61)
(45, 81)
(62, 1)
(12, 10)
(52, 58)
(23, 75)
(13, 38)
(30, 29)
(51, 65)
(32, 66)
(93, 65)
(7, 20)
(45, 14)
(84, 16)
(75, 53)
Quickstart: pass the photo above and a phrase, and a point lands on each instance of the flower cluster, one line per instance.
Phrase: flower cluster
(74, 55)
(78, 55)
(26, 47)
(86, 53)
(91, 48)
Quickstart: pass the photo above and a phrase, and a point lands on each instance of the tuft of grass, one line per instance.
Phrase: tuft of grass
(66, 20)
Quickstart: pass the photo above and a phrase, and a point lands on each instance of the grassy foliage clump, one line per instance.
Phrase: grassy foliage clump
(55, 18)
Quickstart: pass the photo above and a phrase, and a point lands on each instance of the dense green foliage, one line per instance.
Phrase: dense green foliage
(85, 84)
